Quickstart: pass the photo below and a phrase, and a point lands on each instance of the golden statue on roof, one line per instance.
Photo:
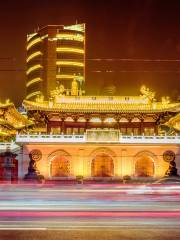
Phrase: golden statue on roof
(147, 94)
(165, 100)
(58, 91)
(74, 88)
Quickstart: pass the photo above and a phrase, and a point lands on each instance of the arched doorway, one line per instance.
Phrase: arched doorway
(60, 166)
(144, 167)
(102, 166)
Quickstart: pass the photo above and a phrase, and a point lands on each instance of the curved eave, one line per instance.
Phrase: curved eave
(12, 125)
(174, 122)
(5, 134)
(64, 108)
(16, 127)
(5, 105)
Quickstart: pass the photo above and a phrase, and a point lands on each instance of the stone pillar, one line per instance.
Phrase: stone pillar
(20, 163)
(80, 162)
(126, 163)
(117, 166)
(62, 126)
(142, 127)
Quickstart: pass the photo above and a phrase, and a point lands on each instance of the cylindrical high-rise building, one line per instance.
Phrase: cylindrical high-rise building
(55, 56)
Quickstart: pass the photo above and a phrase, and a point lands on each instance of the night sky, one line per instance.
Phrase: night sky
(118, 33)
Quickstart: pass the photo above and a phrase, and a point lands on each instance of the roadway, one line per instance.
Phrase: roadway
(98, 207)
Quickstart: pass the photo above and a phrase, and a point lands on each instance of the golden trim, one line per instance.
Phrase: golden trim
(35, 80)
(33, 94)
(60, 76)
(78, 64)
(33, 68)
(33, 42)
(33, 55)
(70, 36)
(68, 49)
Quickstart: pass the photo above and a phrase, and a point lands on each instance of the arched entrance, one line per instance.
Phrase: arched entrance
(102, 166)
(60, 166)
(144, 167)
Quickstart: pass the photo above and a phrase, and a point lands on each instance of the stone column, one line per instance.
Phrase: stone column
(126, 163)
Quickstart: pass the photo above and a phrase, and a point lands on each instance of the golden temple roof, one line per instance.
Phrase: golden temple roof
(97, 104)
(174, 122)
(11, 120)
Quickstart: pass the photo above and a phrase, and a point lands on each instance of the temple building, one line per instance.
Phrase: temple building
(99, 136)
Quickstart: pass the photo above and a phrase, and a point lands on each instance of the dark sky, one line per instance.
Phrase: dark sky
(116, 29)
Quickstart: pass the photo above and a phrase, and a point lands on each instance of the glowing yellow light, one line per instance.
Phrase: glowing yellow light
(35, 67)
(33, 55)
(29, 36)
(66, 49)
(35, 80)
(78, 64)
(76, 27)
(33, 94)
(109, 120)
(81, 119)
(96, 120)
(70, 36)
(69, 119)
(33, 42)
(60, 76)
(123, 119)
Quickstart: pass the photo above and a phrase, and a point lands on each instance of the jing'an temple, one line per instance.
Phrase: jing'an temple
(63, 133)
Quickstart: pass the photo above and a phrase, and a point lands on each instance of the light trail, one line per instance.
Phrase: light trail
(96, 214)
(89, 206)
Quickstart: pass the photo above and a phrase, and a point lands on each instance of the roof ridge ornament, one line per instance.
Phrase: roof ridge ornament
(147, 94)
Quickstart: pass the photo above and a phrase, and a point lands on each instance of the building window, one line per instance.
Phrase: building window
(75, 131)
(129, 131)
(136, 131)
(123, 131)
(55, 130)
(109, 120)
(95, 120)
(81, 131)
(149, 131)
(69, 131)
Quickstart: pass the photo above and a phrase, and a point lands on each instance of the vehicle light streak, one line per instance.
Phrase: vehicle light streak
(152, 214)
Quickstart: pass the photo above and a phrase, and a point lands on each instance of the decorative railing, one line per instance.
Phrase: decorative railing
(50, 138)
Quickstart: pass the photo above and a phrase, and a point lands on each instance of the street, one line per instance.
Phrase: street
(94, 208)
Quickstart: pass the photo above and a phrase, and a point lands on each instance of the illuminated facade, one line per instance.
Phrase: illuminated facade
(67, 134)
(99, 137)
(74, 155)
(55, 56)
